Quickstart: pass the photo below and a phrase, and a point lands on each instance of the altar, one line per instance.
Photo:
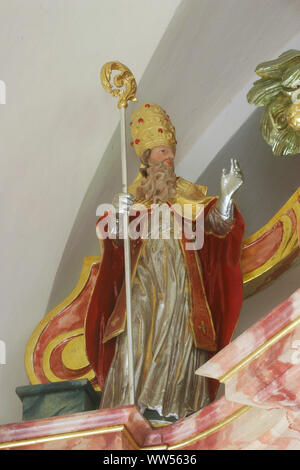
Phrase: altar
(260, 409)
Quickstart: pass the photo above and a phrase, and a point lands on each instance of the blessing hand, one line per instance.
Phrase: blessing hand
(232, 180)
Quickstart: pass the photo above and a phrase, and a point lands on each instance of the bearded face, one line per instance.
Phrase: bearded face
(159, 183)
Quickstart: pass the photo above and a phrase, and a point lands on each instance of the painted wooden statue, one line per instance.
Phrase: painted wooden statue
(185, 303)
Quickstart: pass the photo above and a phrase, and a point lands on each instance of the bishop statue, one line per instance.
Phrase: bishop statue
(185, 302)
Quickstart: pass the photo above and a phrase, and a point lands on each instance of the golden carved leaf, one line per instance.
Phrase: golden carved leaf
(279, 92)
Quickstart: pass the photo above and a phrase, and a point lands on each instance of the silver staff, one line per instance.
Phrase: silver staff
(125, 88)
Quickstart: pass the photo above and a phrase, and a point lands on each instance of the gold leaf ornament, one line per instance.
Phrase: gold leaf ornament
(278, 90)
(124, 82)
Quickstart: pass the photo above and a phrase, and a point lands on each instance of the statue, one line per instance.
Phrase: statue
(185, 303)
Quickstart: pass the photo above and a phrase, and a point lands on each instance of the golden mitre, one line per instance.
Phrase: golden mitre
(150, 127)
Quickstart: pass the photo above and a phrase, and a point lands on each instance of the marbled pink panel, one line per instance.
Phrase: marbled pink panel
(257, 428)
(70, 318)
(241, 433)
(279, 436)
(194, 424)
(266, 384)
(272, 379)
(253, 338)
(284, 392)
(129, 415)
(293, 419)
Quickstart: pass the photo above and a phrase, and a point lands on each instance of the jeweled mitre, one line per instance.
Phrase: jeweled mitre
(150, 127)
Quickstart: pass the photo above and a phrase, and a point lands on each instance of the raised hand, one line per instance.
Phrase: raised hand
(231, 180)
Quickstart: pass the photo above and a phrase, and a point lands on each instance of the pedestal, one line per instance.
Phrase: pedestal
(59, 398)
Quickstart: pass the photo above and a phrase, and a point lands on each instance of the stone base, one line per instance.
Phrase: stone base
(59, 398)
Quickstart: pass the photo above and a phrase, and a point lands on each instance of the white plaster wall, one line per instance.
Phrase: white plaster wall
(54, 128)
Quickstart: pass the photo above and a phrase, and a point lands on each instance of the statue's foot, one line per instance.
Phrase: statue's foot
(158, 420)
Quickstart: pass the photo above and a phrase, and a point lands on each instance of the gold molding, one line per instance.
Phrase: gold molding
(158, 447)
(279, 335)
(69, 435)
(84, 277)
(122, 428)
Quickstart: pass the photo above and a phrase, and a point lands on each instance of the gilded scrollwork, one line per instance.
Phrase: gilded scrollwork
(124, 82)
(278, 90)
(272, 249)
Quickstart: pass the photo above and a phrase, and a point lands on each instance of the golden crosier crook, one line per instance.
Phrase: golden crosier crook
(124, 79)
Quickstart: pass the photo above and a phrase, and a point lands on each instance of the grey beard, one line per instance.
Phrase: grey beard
(159, 185)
